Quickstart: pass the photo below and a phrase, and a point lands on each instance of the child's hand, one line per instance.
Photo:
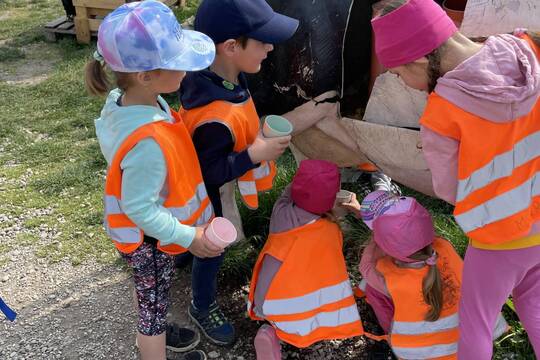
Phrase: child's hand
(353, 205)
(202, 247)
(266, 149)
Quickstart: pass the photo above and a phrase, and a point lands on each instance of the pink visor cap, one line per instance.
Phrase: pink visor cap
(315, 185)
(410, 32)
(401, 226)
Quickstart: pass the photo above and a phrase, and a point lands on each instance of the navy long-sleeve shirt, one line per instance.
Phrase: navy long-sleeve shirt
(213, 140)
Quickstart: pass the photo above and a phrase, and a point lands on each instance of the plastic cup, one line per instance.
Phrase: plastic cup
(343, 197)
(275, 126)
(221, 232)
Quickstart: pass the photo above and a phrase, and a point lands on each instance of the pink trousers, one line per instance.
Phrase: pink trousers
(489, 277)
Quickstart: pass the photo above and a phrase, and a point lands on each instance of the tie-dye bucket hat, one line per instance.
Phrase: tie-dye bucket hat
(145, 35)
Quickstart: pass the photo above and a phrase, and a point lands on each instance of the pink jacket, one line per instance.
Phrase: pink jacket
(500, 83)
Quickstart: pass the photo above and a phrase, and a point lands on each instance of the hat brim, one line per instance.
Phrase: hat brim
(197, 53)
(278, 29)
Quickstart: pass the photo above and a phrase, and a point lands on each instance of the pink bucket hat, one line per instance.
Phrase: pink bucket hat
(401, 226)
(315, 185)
(410, 32)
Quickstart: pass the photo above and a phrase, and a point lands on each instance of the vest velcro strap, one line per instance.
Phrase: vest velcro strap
(308, 302)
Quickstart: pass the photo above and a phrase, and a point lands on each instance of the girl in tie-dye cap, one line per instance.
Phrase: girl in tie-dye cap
(156, 204)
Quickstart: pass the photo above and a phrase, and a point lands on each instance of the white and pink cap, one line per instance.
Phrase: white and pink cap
(401, 226)
(145, 35)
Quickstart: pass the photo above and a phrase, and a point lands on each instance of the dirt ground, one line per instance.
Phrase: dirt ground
(85, 312)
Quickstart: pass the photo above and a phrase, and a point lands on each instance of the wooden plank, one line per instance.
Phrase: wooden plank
(81, 25)
(93, 24)
(56, 22)
(65, 26)
(92, 12)
(100, 4)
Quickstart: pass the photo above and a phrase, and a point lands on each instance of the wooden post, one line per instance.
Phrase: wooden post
(82, 29)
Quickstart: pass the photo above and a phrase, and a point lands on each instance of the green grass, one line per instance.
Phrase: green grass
(50, 159)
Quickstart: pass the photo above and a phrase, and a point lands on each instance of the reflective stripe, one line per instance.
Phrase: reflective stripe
(500, 207)
(324, 319)
(205, 216)
(501, 166)
(131, 235)
(423, 327)
(308, 302)
(112, 205)
(247, 187)
(185, 212)
(500, 327)
(362, 285)
(261, 171)
(425, 352)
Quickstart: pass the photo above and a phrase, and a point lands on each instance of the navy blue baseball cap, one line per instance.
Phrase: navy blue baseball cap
(229, 19)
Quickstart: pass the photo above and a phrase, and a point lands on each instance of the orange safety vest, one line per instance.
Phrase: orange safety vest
(498, 193)
(185, 196)
(310, 298)
(243, 123)
(411, 336)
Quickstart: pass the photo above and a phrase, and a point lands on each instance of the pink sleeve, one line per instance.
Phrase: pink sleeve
(441, 154)
(368, 262)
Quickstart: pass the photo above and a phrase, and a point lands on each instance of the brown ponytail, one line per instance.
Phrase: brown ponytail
(96, 79)
(431, 285)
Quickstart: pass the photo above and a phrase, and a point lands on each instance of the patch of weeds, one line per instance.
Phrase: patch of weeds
(3, 261)
(515, 343)
(26, 239)
(33, 223)
(8, 53)
(4, 248)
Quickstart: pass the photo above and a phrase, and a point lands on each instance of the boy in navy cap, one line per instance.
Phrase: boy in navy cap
(220, 115)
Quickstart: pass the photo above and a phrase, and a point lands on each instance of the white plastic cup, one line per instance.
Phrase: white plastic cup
(343, 197)
(221, 232)
(275, 126)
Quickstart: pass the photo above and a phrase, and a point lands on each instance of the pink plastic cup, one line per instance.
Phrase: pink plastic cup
(221, 232)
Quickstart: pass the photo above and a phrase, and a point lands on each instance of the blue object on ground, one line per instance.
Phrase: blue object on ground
(10, 314)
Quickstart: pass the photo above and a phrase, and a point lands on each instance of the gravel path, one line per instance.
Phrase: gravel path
(85, 311)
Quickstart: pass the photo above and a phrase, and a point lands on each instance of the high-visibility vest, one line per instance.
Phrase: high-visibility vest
(498, 193)
(184, 192)
(243, 123)
(310, 298)
(411, 336)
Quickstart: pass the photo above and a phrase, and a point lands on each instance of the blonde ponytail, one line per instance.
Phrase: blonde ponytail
(96, 79)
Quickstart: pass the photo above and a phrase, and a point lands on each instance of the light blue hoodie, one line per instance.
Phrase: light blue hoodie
(144, 169)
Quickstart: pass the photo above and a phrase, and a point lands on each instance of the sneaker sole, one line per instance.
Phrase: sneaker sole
(191, 346)
(212, 340)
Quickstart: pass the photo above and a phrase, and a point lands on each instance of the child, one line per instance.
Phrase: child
(300, 282)
(480, 135)
(413, 278)
(155, 199)
(222, 119)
